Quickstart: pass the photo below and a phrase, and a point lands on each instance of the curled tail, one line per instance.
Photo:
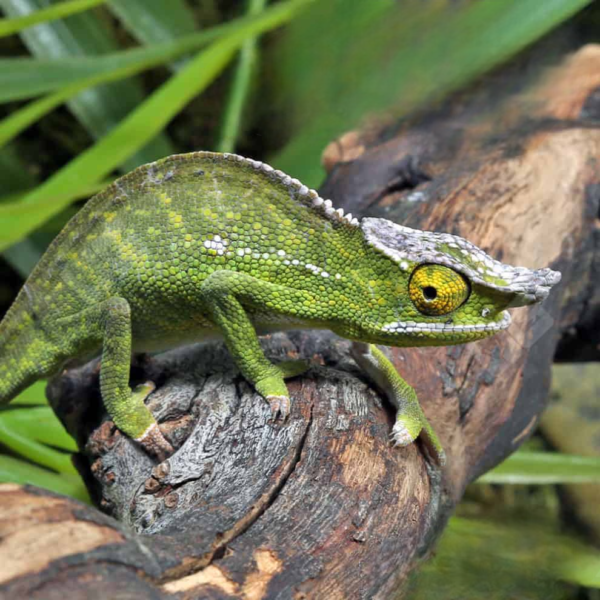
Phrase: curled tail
(25, 355)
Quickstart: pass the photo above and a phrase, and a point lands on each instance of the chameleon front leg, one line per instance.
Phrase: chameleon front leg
(224, 295)
(410, 420)
(110, 324)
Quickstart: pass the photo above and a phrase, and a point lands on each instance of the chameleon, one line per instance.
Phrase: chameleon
(203, 245)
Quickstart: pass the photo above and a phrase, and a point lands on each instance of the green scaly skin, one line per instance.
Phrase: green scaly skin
(203, 245)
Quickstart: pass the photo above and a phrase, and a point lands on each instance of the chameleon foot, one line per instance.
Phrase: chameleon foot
(155, 443)
(406, 431)
(280, 407)
(152, 440)
(410, 420)
(401, 436)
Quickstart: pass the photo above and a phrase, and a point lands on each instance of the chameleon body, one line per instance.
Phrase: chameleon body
(202, 245)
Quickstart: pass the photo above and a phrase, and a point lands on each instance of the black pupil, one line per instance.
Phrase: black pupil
(429, 292)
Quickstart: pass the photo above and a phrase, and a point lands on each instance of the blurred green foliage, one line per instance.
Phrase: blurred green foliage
(514, 558)
(119, 83)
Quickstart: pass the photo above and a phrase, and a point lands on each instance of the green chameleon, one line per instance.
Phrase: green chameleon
(202, 245)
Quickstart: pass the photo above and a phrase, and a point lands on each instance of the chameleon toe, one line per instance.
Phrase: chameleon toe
(155, 443)
(400, 435)
(280, 407)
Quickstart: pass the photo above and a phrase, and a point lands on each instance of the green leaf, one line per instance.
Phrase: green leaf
(154, 21)
(22, 257)
(542, 468)
(240, 87)
(34, 451)
(512, 559)
(64, 9)
(132, 62)
(394, 56)
(15, 177)
(18, 219)
(85, 190)
(102, 108)
(22, 78)
(13, 470)
(34, 395)
(38, 423)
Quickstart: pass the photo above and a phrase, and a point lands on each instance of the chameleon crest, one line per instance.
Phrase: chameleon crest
(410, 248)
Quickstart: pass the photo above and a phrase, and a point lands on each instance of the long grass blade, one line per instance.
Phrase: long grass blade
(16, 178)
(18, 121)
(22, 78)
(543, 468)
(58, 11)
(154, 21)
(36, 452)
(38, 423)
(35, 395)
(410, 54)
(102, 108)
(17, 220)
(22, 257)
(240, 87)
(13, 470)
(508, 559)
(13, 173)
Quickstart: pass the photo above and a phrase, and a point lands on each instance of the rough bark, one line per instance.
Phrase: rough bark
(323, 507)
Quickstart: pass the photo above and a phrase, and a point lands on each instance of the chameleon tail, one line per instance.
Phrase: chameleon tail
(25, 355)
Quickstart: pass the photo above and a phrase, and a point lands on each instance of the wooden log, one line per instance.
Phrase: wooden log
(323, 507)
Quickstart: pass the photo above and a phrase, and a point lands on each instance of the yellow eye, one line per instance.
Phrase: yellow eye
(436, 290)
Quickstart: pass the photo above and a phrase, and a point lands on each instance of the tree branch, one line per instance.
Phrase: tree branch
(323, 507)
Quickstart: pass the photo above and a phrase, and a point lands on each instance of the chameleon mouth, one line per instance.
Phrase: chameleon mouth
(493, 326)
(412, 327)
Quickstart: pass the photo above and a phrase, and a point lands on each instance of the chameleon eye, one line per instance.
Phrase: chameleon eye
(436, 290)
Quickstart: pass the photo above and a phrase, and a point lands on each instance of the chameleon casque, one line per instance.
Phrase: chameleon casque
(204, 244)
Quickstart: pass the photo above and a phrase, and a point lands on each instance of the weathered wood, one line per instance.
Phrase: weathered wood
(323, 507)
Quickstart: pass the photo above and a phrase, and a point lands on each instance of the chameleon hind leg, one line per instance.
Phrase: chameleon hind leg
(410, 419)
(109, 323)
(224, 295)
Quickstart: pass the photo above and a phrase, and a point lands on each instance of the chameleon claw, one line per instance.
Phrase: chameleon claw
(280, 407)
(400, 435)
(155, 443)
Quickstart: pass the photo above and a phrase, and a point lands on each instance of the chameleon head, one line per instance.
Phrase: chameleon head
(453, 292)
